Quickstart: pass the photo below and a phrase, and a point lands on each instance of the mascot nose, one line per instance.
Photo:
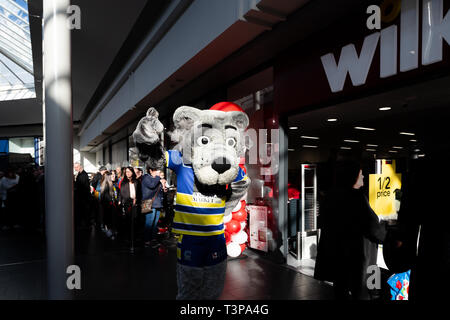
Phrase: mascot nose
(221, 165)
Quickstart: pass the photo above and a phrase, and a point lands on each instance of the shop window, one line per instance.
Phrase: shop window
(255, 96)
(389, 134)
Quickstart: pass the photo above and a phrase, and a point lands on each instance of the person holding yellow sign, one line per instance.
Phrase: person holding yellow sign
(350, 234)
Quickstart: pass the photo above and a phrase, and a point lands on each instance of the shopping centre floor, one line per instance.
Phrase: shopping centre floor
(109, 271)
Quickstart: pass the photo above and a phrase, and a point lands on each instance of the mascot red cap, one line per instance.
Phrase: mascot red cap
(226, 107)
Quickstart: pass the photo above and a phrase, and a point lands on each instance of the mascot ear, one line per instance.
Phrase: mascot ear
(185, 117)
(240, 119)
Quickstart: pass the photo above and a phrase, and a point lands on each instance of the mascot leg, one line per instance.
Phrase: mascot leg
(214, 280)
(201, 267)
(190, 282)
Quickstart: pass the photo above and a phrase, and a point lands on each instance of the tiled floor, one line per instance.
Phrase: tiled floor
(109, 271)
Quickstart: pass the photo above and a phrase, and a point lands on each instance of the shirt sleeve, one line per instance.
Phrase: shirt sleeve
(174, 159)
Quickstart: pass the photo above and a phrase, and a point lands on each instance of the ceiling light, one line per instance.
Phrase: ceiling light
(372, 145)
(364, 128)
(308, 137)
(421, 155)
(371, 150)
(308, 146)
(345, 148)
(352, 141)
(407, 133)
(332, 119)
(397, 147)
(293, 128)
(413, 140)
(416, 150)
(393, 151)
(384, 108)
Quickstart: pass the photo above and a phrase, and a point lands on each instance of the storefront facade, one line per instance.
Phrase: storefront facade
(293, 89)
(374, 96)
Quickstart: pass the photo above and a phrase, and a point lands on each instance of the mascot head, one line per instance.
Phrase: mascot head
(211, 141)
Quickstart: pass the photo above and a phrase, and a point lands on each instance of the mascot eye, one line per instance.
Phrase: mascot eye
(203, 140)
(231, 142)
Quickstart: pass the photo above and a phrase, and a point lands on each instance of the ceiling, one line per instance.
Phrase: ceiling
(423, 109)
(105, 26)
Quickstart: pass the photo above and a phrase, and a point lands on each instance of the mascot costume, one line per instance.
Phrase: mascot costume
(210, 183)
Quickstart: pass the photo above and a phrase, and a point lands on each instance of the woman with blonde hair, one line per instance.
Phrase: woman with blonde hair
(108, 198)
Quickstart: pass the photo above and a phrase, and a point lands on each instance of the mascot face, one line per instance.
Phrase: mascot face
(212, 141)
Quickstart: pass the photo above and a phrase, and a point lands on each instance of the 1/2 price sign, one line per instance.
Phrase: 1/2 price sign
(382, 190)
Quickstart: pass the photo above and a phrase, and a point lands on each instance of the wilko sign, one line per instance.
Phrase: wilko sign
(346, 60)
(435, 29)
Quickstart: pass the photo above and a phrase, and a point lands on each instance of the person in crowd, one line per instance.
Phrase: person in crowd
(152, 188)
(9, 192)
(165, 211)
(130, 198)
(138, 171)
(95, 182)
(122, 174)
(423, 240)
(116, 207)
(108, 200)
(81, 195)
(118, 174)
(350, 234)
(25, 209)
(95, 190)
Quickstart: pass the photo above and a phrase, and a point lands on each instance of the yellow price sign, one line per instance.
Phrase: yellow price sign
(382, 190)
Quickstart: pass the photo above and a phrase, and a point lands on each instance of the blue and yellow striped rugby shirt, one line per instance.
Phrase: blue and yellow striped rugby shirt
(195, 213)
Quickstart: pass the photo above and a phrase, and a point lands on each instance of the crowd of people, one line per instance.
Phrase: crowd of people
(112, 202)
(22, 198)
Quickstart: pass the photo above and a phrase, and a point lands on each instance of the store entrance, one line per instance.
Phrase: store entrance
(387, 134)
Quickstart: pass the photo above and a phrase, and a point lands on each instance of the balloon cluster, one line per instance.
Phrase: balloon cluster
(236, 232)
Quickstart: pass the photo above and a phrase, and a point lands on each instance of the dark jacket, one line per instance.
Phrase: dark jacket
(124, 195)
(96, 179)
(81, 186)
(350, 234)
(149, 187)
(423, 207)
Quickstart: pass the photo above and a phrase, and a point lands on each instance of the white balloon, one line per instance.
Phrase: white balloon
(240, 237)
(227, 218)
(238, 207)
(243, 224)
(233, 249)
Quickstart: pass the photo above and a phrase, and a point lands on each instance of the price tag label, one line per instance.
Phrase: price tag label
(383, 188)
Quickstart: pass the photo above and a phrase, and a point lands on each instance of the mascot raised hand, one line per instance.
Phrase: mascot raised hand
(210, 183)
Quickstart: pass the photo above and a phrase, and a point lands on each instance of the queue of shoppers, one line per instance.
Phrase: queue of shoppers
(22, 198)
(112, 202)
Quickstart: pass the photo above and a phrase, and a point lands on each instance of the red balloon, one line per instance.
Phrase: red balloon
(227, 237)
(240, 215)
(233, 226)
